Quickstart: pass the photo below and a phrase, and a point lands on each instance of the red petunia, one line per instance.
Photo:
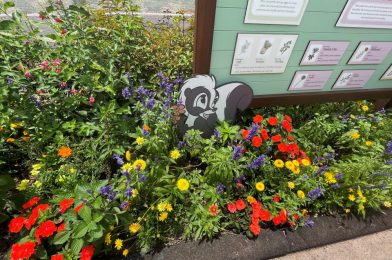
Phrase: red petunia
(57, 257)
(286, 125)
(61, 227)
(16, 224)
(46, 229)
(255, 229)
(276, 138)
(257, 141)
(293, 148)
(22, 251)
(276, 198)
(264, 134)
(35, 214)
(283, 215)
(65, 204)
(31, 203)
(213, 210)
(240, 204)
(78, 208)
(276, 220)
(245, 133)
(273, 121)
(283, 148)
(87, 252)
(257, 119)
(232, 207)
(288, 118)
(265, 215)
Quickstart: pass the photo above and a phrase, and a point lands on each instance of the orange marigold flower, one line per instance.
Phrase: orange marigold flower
(65, 152)
(213, 210)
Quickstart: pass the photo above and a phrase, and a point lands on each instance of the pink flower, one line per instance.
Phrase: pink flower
(28, 75)
(58, 20)
(63, 84)
(56, 62)
(44, 65)
(91, 100)
(74, 92)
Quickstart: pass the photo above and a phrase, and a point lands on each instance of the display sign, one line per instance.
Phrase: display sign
(324, 52)
(310, 80)
(369, 53)
(388, 74)
(262, 53)
(286, 12)
(367, 14)
(353, 79)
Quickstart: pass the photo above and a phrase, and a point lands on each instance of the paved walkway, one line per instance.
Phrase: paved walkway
(375, 247)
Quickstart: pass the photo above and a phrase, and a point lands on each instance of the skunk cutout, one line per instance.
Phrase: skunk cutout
(206, 104)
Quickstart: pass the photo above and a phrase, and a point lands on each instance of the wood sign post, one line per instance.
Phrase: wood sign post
(298, 51)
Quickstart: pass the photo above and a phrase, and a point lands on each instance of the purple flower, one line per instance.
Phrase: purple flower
(388, 149)
(108, 192)
(220, 188)
(389, 162)
(309, 223)
(376, 119)
(305, 177)
(142, 177)
(316, 193)
(237, 153)
(339, 176)
(336, 186)
(240, 178)
(145, 132)
(253, 131)
(321, 170)
(9, 81)
(150, 104)
(128, 192)
(259, 161)
(118, 159)
(382, 111)
(180, 145)
(124, 204)
(178, 80)
(126, 93)
(126, 174)
(217, 134)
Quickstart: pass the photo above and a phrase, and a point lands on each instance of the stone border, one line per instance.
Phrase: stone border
(271, 244)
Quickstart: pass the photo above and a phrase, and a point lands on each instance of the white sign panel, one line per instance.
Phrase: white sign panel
(388, 74)
(286, 12)
(262, 53)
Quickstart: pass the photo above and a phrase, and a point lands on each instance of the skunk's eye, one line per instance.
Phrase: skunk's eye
(200, 101)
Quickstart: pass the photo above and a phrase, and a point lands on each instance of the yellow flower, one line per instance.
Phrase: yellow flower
(135, 192)
(140, 140)
(351, 197)
(175, 154)
(16, 125)
(347, 211)
(73, 170)
(365, 108)
(301, 194)
(108, 239)
(37, 184)
(291, 185)
(305, 211)
(260, 186)
(125, 252)
(146, 128)
(25, 133)
(127, 167)
(250, 199)
(289, 165)
(37, 166)
(352, 117)
(363, 199)
(360, 194)
(128, 155)
(279, 164)
(296, 170)
(61, 178)
(296, 163)
(350, 190)
(182, 184)
(305, 162)
(10, 140)
(169, 207)
(330, 178)
(111, 227)
(369, 143)
(361, 207)
(134, 228)
(35, 173)
(355, 136)
(163, 216)
(22, 185)
(139, 164)
(118, 244)
(161, 206)
(387, 204)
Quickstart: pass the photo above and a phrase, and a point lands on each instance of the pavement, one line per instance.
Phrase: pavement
(376, 247)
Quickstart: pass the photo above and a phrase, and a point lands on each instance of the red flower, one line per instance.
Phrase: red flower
(61, 227)
(257, 119)
(276, 198)
(30, 203)
(213, 210)
(255, 229)
(28, 75)
(78, 208)
(264, 134)
(65, 204)
(290, 138)
(287, 126)
(22, 251)
(255, 218)
(46, 229)
(273, 121)
(283, 215)
(35, 214)
(283, 148)
(240, 204)
(232, 207)
(257, 141)
(265, 215)
(303, 154)
(57, 257)
(276, 220)
(245, 133)
(295, 216)
(276, 138)
(58, 20)
(293, 148)
(16, 224)
(87, 252)
(44, 65)
(288, 118)
(91, 100)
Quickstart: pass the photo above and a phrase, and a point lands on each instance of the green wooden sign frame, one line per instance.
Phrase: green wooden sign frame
(206, 16)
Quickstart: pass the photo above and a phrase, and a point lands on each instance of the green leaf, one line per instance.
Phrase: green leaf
(8, 5)
(76, 246)
(6, 25)
(80, 230)
(61, 238)
(85, 213)
(97, 217)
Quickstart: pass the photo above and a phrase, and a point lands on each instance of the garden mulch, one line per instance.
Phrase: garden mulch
(270, 244)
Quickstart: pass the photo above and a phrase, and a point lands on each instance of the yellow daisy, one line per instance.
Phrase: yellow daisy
(182, 184)
(118, 244)
(300, 194)
(163, 216)
(291, 185)
(279, 163)
(139, 164)
(175, 154)
(140, 140)
(260, 186)
(134, 228)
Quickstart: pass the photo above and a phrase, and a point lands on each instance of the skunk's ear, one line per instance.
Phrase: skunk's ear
(233, 97)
